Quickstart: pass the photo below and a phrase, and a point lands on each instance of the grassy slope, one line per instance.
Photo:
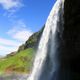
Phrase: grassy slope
(20, 62)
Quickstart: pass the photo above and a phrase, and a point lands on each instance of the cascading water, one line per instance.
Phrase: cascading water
(46, 62)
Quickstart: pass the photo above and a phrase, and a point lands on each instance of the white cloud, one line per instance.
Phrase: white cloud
(10, 4)
(19, 32)
(8, 42)
(7, 46)
(22, 35)
(6, 50)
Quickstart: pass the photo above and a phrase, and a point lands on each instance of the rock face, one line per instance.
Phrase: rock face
(34, 39)
(32, 42)
(70, 65)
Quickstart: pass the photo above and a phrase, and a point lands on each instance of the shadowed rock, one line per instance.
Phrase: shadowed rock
(70, 55)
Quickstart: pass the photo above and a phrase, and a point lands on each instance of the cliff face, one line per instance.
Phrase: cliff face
(33, 41)
(71, 36)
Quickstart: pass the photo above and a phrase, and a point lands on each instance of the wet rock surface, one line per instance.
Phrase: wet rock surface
(70, 55)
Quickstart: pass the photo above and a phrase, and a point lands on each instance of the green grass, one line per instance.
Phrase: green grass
(20, 62)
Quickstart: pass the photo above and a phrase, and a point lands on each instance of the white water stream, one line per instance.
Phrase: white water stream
(48, 45)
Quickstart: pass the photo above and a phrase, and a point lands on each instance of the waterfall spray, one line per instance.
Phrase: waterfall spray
(46, 64)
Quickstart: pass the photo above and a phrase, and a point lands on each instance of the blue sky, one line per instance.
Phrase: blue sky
(19, 19)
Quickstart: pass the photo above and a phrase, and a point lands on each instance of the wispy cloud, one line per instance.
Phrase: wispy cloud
(11, 4)
(6, 49)
(20, 32)
(7, 46)
(8, 42)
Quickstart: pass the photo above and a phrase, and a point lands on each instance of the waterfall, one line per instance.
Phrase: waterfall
(46, 61)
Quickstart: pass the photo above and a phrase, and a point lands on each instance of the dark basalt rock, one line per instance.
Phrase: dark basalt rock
(70, 65)
(33, 41)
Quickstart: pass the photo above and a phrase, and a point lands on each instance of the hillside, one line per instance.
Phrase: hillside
(32, 42)
(21, 60)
